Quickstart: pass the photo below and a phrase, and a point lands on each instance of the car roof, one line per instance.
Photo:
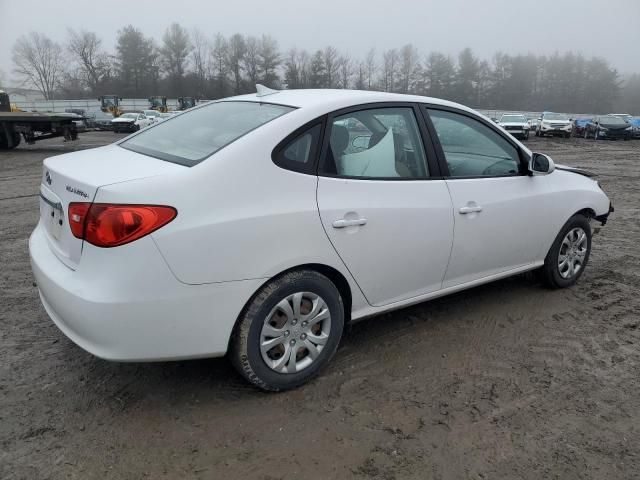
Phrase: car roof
(328, 100)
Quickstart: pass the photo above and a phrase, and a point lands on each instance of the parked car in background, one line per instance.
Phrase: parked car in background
(516, 124)
(133, 267)
(578, 127)
(635, 127)
(608, 127)
(100, 120)
(152, 115)
(130, 122)
(625, 116)
(554, 124)
(78, 120)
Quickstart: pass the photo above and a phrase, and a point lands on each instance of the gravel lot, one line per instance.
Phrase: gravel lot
(508, 380)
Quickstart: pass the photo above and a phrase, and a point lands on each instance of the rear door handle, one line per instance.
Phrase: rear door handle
(466, 210)
(342, 223)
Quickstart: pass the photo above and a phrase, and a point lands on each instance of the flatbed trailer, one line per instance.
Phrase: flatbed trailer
(33, 127)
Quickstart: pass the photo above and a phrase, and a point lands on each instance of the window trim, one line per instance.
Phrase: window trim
(430, 154)
(311, 167)
(444, 167)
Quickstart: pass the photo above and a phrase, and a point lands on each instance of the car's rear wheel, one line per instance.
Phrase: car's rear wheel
(289, 331)
(569, 253)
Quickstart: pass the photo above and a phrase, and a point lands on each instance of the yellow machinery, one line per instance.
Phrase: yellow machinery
(6, 105)
(110, 104)
(158, 103)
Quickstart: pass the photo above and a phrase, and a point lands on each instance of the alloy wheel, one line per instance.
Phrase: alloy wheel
(295, 332)
(573, 252)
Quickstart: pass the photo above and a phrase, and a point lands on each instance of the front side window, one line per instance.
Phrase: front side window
(376, 143)
(472, 149)
(197, 134)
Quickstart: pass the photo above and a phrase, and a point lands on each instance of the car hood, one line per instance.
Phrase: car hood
(614, 126)
(579, 171)
(563, 122)
(123, 120)
(514, 124)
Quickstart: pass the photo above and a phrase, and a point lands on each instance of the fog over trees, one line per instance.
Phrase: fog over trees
(194, 63)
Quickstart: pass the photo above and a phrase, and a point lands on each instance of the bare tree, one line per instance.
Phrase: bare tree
(200, 60)
(94, 64)
(39, 61)
(235, 55)
(251, 59)
(296, 68)
(219, 54)
(408, 67)
(390, 69)
(345, 71)
(330, 59)
(2, 78)
(371, 68)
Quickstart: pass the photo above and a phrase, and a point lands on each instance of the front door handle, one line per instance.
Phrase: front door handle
(466, 210)
(342, 223)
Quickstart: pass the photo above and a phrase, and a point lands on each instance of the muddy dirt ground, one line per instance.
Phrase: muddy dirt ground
(508, 380)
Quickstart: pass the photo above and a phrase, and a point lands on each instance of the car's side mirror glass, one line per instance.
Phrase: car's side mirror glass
(541, 164)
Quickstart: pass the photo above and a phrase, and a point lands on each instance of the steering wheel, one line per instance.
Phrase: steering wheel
(487, 171)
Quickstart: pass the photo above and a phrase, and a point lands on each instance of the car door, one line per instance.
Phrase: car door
(143, 121)
(382, 202)
(499, 210)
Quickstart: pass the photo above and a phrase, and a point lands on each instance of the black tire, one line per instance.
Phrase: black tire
(245, 351)
(550, 272)
(136, 128)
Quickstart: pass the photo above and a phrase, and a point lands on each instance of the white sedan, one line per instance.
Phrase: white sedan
(260, 225)
(130, 122)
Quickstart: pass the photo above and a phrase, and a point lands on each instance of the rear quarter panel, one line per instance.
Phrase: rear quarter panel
(239, 215)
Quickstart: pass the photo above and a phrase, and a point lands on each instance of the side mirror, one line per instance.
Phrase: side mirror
(541, 164)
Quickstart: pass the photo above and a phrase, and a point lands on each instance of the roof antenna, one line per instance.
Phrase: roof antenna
(262, 91)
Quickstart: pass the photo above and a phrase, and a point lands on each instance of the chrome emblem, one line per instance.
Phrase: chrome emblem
(47, 177)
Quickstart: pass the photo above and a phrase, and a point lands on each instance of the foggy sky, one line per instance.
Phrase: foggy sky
(606, 28)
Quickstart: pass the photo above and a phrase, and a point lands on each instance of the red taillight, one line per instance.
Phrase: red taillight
(111, 225)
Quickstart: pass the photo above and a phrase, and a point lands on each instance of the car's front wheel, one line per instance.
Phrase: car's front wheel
(289, 331)
(569, 253)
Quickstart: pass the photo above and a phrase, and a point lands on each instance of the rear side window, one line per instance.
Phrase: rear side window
(195, 135)
(299, 153)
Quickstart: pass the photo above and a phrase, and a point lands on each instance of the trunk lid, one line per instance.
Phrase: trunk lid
(76, 177)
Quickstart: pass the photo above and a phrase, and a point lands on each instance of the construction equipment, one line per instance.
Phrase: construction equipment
(184, 103)
(110, 104)
(4, 102)
(158, 103)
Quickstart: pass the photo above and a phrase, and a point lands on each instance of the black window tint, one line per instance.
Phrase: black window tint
(471, 148)
(299, 153)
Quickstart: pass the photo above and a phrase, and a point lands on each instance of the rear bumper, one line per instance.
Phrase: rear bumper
(128, 306)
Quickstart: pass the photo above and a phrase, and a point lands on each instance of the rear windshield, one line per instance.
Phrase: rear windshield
(192, 136)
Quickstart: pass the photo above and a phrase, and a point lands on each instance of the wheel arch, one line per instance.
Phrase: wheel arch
(336, 277)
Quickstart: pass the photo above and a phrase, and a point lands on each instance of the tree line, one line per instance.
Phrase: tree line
(191, 63)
